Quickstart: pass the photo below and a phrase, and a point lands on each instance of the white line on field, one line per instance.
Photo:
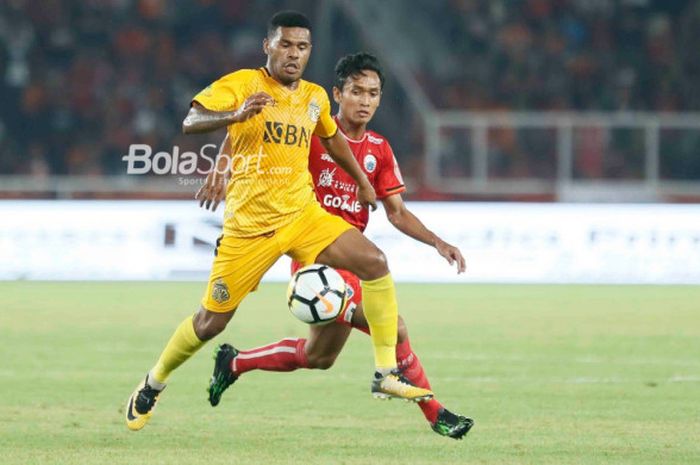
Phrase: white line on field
(684, 379)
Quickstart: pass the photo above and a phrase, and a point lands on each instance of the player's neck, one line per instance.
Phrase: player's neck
(352, 131)
(291, 86)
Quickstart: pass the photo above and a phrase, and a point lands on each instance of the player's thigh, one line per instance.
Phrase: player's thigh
(354, 252)
(324, 344)
(238, 267)
(311, 233)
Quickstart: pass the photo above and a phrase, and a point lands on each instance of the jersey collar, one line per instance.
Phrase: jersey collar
(279, 85)
(340, 128)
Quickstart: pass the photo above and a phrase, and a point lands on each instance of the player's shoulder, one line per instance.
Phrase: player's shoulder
(374, 138)
(313, 89)
(242, 75)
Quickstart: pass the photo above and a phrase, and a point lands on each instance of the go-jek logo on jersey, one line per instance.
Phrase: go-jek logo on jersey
(342, 203)
(287, 134)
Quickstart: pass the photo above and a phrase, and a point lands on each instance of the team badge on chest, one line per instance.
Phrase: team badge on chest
(314, 111)
(370, 163)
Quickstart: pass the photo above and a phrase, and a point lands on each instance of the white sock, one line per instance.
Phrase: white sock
(153, 382)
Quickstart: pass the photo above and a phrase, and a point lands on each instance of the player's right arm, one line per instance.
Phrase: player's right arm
(226, 101)
(201, 119)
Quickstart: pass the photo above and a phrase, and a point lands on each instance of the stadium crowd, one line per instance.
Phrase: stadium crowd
(82, 80)
(568, 55)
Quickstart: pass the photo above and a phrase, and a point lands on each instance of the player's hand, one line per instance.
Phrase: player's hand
(451, 254)
(252, 106)
(366, 196)
(213, 191)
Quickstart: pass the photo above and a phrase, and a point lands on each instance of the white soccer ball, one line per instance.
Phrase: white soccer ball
(316, 294)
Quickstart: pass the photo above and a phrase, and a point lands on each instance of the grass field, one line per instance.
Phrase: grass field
(551, 374)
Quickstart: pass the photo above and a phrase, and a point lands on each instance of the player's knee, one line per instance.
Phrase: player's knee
(402, 330)
(208, 329)
(374, 265)
(208, 325)
(320, 362)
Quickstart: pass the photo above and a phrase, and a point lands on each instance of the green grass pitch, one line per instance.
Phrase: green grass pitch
(551, 374)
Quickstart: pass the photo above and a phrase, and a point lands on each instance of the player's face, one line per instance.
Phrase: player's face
(360, 97)
(288, 52)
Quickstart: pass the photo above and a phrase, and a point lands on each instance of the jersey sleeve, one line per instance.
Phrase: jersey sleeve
(325, 126)
(388, 180)
(225, 94)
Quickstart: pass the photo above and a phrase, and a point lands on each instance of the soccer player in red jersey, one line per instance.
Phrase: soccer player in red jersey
(357, 90)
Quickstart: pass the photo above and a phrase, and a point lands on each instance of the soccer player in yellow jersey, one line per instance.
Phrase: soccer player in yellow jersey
(270, 114)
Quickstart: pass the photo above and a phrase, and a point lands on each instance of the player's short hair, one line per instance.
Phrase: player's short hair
(287, 18)
(353, 65)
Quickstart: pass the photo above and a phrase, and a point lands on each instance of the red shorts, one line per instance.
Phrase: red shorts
(354, 292)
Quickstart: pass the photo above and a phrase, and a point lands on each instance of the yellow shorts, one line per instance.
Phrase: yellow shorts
(241, 262)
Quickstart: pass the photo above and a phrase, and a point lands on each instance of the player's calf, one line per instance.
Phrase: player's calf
(324, 344)
(320, 362)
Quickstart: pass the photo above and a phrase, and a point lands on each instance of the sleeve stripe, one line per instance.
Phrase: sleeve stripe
(332, 135)
(207, 105)
(397, 188)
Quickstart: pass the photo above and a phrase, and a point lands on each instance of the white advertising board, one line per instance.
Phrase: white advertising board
(502, 242)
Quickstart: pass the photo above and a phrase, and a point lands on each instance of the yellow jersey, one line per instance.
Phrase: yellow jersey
(270, 182)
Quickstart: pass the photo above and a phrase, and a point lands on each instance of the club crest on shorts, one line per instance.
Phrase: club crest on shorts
(220, 292)
(314, 111)
(370, 162)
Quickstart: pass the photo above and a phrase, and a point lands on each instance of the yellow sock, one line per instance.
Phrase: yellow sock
(382, 313)
(181, 346)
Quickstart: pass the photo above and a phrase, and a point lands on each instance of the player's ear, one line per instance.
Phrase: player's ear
(266, 46)
(336, 95)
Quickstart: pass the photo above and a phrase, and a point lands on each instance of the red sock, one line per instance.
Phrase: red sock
(285, 355)
(413, 371)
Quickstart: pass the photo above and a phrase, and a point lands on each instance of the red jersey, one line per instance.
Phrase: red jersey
(336, 191)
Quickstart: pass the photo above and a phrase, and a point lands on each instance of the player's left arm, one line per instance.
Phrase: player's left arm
(213, 191)
(408, 223)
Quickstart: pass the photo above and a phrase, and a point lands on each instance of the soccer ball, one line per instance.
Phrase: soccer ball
(316, 294)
